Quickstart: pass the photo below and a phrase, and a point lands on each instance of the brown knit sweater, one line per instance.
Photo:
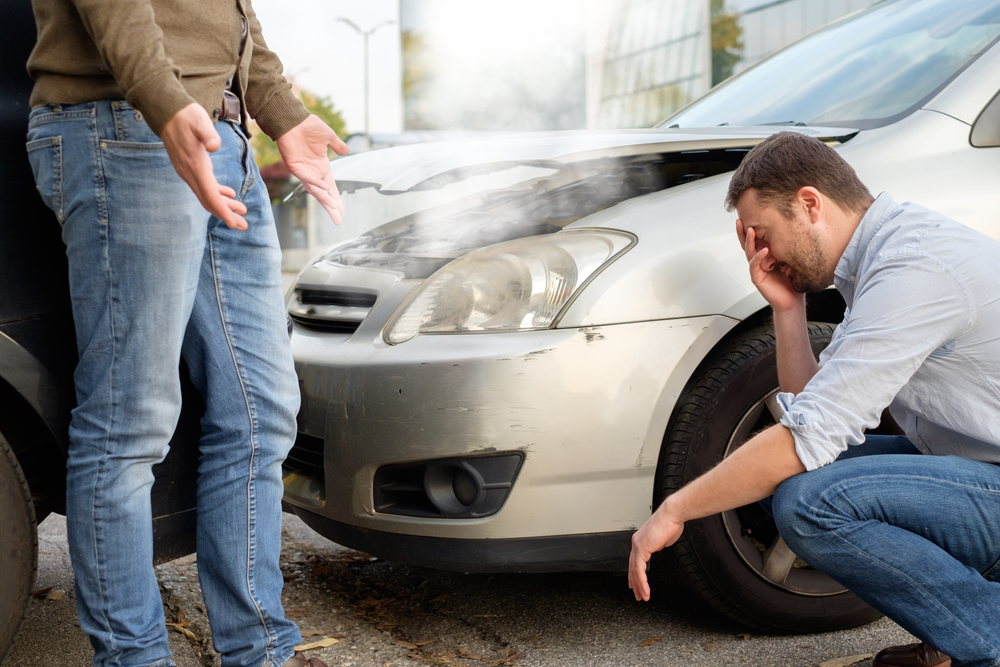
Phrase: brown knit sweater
(159, 55)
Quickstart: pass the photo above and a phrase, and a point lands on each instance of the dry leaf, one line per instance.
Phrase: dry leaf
(440, 598)
(322, 643)
(650, 641)
(42, 592)
(710, 647)
(846, 661)
(424, 642)
(487, 616)
(187, 633)
(296, 612)
(311, 632)
(185, 624)
(181, 615)
(532, 639)
(55, 595)
(406, 644)
(743, 636)
(320, 570)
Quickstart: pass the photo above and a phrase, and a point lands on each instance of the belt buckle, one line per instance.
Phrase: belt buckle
(231, 106)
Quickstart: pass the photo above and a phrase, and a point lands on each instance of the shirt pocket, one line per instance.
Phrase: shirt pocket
(46, 158)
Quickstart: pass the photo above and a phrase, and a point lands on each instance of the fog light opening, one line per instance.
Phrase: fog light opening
(465, 487)
(454, 487)
(451, 488)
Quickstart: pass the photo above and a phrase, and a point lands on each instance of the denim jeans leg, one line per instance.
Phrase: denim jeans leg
(915, 536)
(134, 236)
(240, 358)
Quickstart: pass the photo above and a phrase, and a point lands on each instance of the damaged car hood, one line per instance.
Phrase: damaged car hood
(424, 166)
(427, 204)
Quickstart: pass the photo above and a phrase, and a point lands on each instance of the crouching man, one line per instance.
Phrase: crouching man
(910, 524)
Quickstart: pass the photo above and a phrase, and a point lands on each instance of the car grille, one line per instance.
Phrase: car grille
(329, 326)
(315, 297)
(306, 457)
(330, 311)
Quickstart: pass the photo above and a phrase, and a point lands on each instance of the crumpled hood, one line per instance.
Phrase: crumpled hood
(425, 166)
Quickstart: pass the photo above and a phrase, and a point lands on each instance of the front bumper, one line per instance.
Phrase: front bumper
(600, 552)
(587, 408)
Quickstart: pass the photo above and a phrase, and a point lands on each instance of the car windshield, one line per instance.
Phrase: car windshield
(866, 71)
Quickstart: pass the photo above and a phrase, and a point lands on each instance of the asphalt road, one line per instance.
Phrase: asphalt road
(383, 614)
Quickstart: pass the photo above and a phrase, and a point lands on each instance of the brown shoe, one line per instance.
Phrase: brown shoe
(299, 660)
(911, 655)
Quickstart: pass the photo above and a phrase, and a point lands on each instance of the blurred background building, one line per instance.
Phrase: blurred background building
(441, 68)
(562, 64)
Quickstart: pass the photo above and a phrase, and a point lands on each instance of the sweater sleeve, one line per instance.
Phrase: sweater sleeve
(131, 44)
(269, 97)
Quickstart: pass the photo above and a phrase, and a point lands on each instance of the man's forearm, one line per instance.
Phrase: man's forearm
(749, 474)
(796, 362)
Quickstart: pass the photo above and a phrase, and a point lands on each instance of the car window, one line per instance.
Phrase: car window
(866, 71)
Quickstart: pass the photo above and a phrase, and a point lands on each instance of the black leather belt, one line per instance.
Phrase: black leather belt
(230, 108)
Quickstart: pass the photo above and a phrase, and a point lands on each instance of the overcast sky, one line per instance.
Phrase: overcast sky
(325, 56)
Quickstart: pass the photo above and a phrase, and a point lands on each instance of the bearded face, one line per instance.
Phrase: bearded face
(803, 262)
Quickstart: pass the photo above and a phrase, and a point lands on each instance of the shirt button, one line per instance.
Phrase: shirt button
(853, 278)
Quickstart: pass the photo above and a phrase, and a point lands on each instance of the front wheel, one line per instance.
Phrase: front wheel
(736, 561)
(18, 547)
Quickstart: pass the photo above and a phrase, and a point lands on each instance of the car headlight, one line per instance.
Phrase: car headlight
(517, 285)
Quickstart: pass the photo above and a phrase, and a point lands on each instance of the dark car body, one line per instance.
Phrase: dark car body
(37, 340)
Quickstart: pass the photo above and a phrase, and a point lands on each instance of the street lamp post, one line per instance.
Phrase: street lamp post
(364, 34)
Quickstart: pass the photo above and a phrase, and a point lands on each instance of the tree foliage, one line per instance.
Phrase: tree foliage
(727, 42)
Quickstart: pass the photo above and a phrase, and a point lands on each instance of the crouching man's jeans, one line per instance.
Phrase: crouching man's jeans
(152, 276)
(917, 537)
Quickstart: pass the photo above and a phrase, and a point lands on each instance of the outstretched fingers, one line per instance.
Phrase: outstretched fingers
(189, 136)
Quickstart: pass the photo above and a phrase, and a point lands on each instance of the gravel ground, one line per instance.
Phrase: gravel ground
(382, 614)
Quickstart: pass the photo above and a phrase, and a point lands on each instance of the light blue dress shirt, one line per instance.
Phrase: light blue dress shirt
(921, 332)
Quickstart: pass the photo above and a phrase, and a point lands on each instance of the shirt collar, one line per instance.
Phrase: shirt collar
(850, 262)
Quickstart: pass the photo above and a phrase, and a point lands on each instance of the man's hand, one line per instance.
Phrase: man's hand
(773, 285)
(303, 149)
(657, 533)
(189, 137)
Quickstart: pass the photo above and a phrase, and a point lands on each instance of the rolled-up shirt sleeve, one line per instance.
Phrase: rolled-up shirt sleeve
(906, 307)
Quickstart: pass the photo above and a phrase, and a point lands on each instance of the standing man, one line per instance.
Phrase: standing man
(138, 142)
(910, 524)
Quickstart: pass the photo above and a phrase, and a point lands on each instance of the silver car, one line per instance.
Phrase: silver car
(543, 335)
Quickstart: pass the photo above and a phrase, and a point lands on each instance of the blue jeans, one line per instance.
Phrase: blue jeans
(154, 276)
(917, 537)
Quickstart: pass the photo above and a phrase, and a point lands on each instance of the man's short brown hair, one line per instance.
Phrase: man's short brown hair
(786, 162)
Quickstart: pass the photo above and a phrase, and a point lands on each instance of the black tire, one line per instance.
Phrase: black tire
(18, 547)
(735, 561)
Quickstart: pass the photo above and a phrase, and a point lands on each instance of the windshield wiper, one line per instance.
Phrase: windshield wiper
(793, 123)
